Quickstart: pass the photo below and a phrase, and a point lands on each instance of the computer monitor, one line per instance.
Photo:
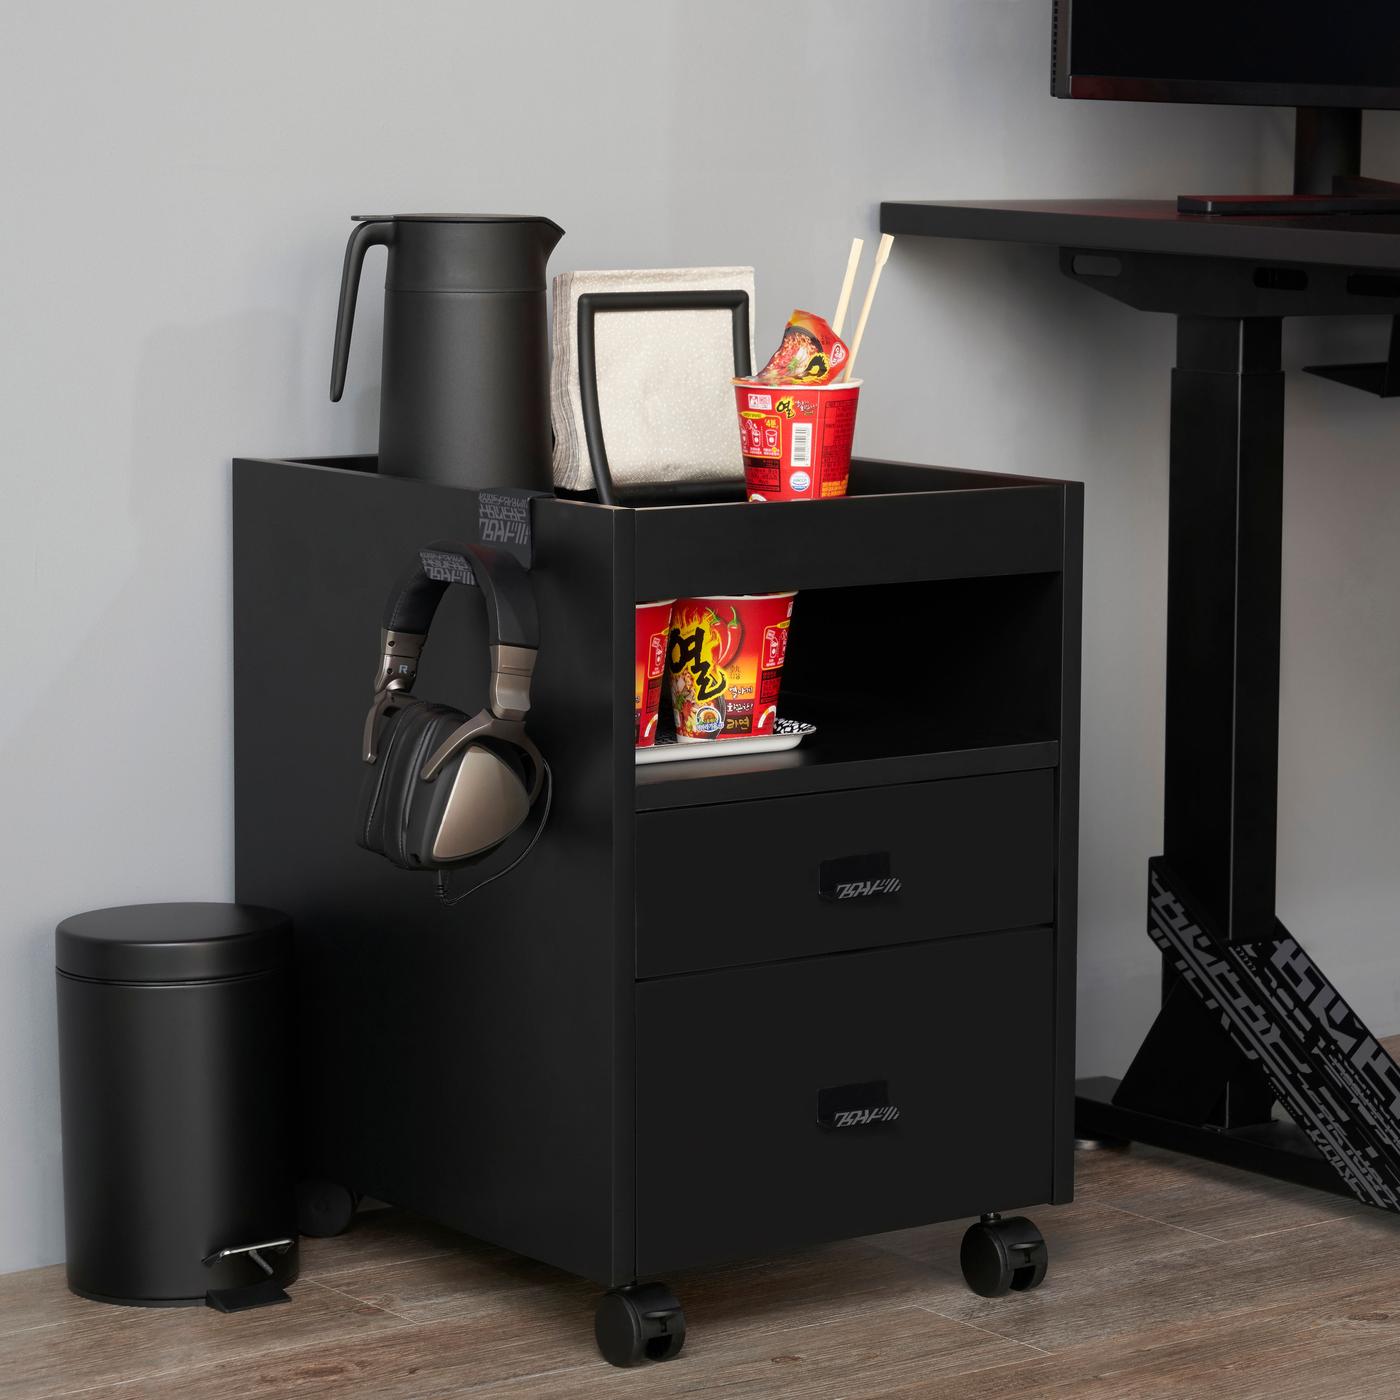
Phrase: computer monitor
(1328, 58)
(1269, 53)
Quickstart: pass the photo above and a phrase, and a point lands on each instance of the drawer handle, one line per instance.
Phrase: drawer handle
(856, 1106)
(864, 877)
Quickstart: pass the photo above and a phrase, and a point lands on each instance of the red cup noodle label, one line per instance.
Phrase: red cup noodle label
(653, 630)
(796, 442)
(725, 662)
(774, 647)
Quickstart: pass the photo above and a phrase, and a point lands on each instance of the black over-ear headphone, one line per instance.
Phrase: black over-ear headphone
(442, 788)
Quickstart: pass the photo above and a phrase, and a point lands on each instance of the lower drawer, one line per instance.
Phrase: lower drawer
(838, 1096)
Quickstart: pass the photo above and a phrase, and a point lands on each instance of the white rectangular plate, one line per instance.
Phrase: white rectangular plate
(787, 734)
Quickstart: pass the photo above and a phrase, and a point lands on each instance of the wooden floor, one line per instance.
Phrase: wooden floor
(1167, 1278)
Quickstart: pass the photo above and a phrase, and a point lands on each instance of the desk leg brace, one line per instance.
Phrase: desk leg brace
(1247, 1017)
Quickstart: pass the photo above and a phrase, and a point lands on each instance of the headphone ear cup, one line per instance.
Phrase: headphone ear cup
(477, 800)
(390, 792)
(514, 759)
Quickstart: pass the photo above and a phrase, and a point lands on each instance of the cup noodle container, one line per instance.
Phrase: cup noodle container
(653, 632)
(725, 663)
(796, 441)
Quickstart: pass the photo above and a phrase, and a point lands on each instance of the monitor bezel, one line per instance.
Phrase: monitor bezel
(1097, 87)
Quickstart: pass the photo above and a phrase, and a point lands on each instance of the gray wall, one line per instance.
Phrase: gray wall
(178, 179)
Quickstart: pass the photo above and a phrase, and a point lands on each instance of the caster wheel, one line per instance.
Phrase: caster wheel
(1003, 1256)
(1101, 1144)
(639, 1323)
(324, 1208)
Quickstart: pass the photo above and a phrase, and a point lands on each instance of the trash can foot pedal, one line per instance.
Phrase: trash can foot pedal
(261, 1294)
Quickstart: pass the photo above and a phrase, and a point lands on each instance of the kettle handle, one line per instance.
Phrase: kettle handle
(364, 235)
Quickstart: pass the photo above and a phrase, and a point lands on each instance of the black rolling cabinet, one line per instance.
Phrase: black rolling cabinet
(585, 1061)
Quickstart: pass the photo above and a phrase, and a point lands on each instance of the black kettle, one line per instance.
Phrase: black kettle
(464, 398)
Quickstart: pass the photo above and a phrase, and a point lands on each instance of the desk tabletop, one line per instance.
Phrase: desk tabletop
(1154, 226)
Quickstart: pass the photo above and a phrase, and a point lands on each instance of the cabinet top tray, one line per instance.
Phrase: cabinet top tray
(900, 522)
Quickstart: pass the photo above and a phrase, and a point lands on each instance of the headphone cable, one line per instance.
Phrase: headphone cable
(445, 876)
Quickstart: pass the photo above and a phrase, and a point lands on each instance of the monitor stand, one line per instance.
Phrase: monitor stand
(1327, 175)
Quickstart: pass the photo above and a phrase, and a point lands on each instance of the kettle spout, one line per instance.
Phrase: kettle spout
(549, 235)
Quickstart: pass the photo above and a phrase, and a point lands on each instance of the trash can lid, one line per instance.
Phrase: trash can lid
(172, 942)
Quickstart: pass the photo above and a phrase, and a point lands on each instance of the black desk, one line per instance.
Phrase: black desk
(1247, 1017)
(1154, 226)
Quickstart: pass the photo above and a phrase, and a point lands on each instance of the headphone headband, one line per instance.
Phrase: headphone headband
(512, 624)
(511, 617)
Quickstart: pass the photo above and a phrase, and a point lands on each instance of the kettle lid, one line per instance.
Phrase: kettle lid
(467, 252)
(458, 219)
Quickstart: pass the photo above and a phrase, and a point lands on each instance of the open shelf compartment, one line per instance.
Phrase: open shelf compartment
(905, 682)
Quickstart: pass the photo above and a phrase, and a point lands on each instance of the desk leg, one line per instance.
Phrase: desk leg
(1247, 1016)
(1223, 569)
(1224, 559)
(1224, 556)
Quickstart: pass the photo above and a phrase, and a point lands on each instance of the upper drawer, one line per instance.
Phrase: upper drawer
(789, 877)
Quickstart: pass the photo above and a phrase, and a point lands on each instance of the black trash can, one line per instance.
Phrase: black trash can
(174, 1044)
